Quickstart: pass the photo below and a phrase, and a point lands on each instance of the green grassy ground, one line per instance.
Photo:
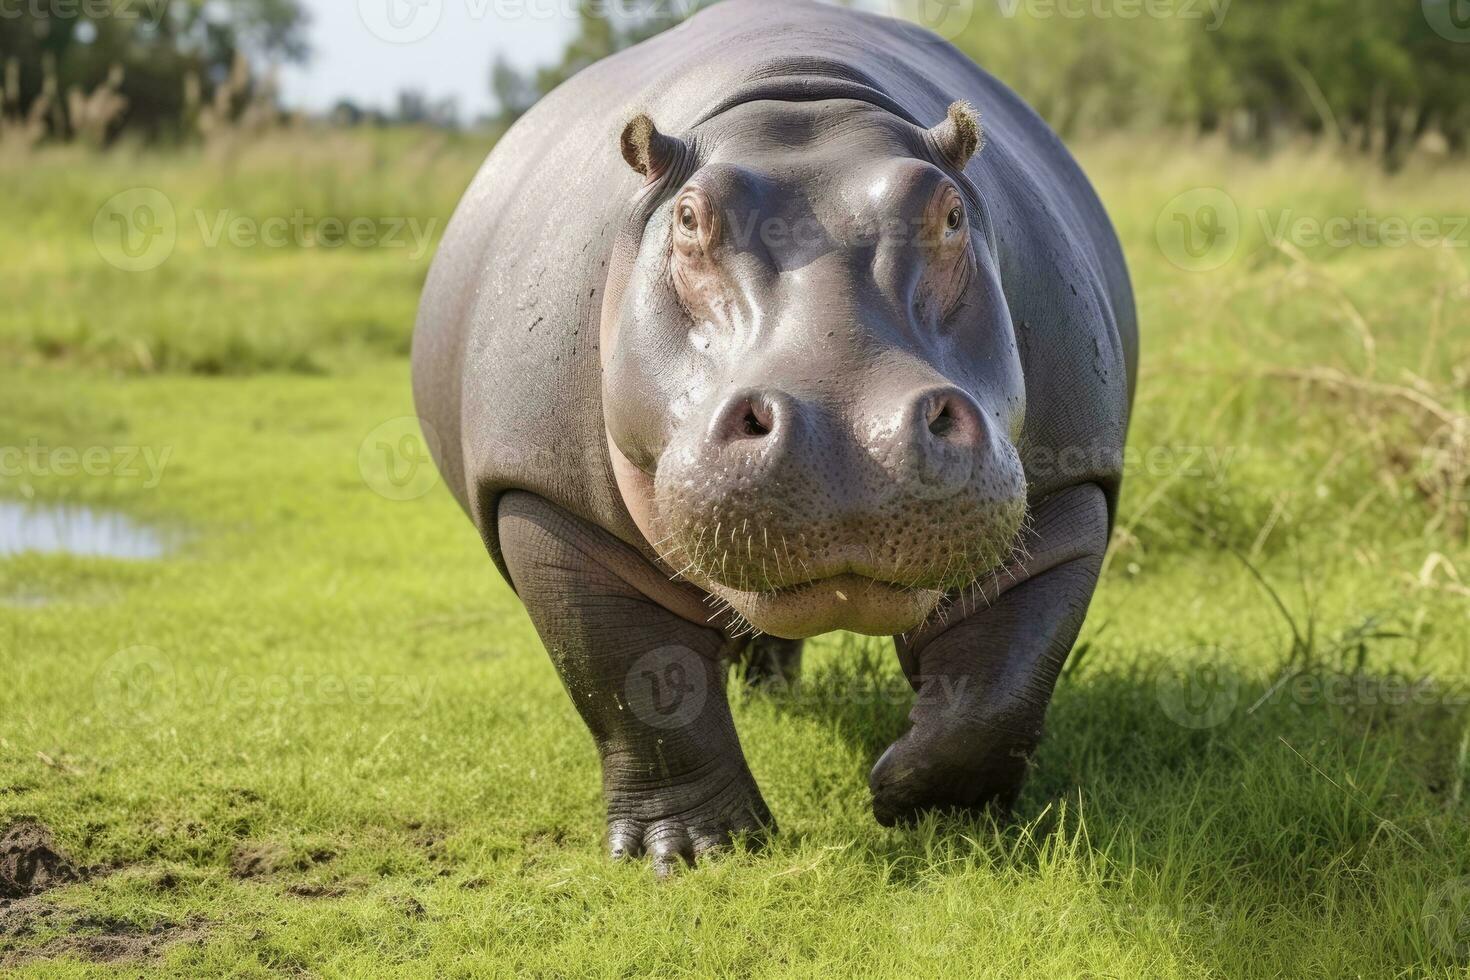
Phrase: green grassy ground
(322, 737)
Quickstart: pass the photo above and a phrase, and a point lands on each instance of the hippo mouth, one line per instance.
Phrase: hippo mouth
(847, 601)
(878, 579)
(883, 576)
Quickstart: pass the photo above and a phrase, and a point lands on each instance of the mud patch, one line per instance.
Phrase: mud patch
(263, 860)
(408, 907)
(99, 940)
(555, 837)
(311, 890)
(433, 843)
(20, 918)
(30, 862)
(257, 861)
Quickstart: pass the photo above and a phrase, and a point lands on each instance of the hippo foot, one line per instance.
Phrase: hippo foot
(679, 821)
(917, 775)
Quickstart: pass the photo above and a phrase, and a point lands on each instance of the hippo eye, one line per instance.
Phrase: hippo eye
(956, 215)
(688, 220)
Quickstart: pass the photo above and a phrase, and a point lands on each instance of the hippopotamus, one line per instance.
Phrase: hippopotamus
(788, 320)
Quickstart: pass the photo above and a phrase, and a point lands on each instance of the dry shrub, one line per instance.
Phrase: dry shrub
(87, 117)
(20, 131)
(241, 109)
(94, 114)
(1412, 421)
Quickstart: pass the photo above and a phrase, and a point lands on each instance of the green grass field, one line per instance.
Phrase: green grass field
(321, 737)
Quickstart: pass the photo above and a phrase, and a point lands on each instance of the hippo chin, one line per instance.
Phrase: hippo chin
(754, 329)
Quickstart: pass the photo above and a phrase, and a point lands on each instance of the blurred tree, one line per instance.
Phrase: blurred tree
(156, 44)
(514, 91)
(1375, 75)
(602, 29)
(417, 109)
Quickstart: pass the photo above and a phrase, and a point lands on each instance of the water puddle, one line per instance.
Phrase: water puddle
(71, 529)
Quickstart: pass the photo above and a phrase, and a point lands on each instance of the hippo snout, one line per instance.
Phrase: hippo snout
(931, 442)
(777, 493)
(939, 440)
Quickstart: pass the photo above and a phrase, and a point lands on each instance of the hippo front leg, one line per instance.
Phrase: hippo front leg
(649, 682)
(984, 680)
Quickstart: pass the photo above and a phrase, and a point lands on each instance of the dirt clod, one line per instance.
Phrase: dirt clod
(30, 862)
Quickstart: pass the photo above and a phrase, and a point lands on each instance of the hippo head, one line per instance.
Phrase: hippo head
(811, 384)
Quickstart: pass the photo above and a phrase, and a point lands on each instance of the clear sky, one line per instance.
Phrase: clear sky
(369, 50)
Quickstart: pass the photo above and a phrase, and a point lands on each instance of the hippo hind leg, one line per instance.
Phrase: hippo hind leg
(769, 661)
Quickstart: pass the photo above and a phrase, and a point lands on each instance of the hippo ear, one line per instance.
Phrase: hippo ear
(648, 151)
(959, 137)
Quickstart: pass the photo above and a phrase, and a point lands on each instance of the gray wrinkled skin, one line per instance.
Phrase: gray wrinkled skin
(792, 358)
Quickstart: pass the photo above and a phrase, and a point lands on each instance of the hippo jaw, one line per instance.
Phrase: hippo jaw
(815, 425)
(843, 602)
(857, 542)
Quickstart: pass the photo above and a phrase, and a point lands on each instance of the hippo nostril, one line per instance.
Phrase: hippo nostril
(947, 417)
(754, 425)
(942, 422)
(748, 417)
